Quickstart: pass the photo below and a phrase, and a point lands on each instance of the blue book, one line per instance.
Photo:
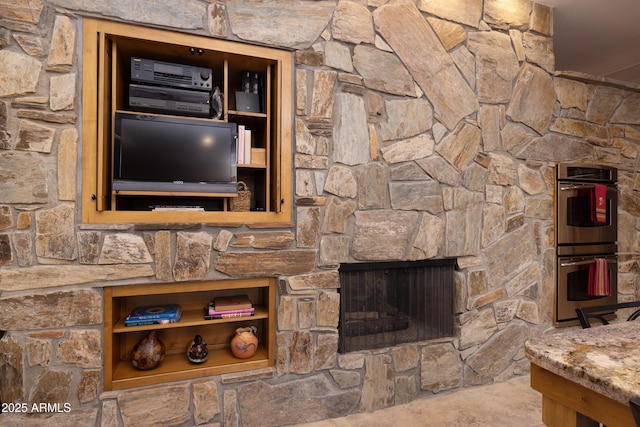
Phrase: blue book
(170, 312)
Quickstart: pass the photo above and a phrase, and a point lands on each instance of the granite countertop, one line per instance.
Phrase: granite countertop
(605, 359)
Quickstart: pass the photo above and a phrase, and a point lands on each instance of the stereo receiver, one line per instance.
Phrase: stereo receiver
(170, 100)
(149, 71)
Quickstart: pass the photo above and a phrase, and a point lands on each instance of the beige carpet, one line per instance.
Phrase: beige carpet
(509, 404)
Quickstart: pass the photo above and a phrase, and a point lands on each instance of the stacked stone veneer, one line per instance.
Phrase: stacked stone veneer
(423, 129)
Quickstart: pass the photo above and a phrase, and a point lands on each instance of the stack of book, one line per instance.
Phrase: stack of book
(228, 307)
(153, 315)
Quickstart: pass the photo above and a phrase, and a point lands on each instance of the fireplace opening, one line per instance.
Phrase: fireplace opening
(383, 304)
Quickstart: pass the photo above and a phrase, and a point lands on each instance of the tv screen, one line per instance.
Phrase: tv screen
(159, 153)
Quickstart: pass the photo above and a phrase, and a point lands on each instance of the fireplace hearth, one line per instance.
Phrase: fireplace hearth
(383, 304)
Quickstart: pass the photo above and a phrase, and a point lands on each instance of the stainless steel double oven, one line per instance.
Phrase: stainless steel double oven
(581, 238)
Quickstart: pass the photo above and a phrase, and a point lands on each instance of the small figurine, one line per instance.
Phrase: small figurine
(197, 352)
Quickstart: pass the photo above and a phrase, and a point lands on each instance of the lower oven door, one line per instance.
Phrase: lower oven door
(573, 284)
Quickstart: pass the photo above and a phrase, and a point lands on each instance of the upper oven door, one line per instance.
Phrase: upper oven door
(574, 219)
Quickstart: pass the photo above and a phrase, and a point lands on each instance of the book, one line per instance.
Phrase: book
(227, 314)
(212, 311)
(148, 322)
(247, 146)
(240, 151)
(167, 312)
(234, 302)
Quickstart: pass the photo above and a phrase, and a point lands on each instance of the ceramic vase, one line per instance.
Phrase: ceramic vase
(197, 351)
(148, 353)
(245, 343)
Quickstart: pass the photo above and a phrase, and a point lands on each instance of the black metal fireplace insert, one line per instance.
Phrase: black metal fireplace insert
(383, 304)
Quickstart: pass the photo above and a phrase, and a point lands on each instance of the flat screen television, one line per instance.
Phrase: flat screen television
(171, 154)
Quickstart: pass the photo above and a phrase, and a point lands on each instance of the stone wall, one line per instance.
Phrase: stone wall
(423, 129)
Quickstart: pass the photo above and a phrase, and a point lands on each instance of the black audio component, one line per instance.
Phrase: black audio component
(149, 71)
(169, 100)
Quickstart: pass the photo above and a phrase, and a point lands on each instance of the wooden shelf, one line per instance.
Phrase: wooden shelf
(189, 318)
(176, 367)
(119, 339)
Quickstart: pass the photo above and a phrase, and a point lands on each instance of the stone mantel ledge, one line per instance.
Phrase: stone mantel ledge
(52, 276)
(605, 359)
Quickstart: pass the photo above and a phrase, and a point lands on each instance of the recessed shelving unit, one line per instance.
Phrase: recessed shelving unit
(108, 48)
(119, 339)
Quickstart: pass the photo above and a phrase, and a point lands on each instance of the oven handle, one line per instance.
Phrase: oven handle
(577, 187)
(586, 262)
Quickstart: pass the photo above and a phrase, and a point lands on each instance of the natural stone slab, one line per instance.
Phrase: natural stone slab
(267, 263)
(22, 10)
(322, 96)
(124, 248)
(496, 354)
(383, 234)
(429, 238)
(573, 94)
(440, 170)
(352, 23)
(555, 148)
(67, 164)
(51, 386)
(440, 368)
(450, 34)
(35, 137)
(297, 25)
(350, 130)
(337, 56)
(334, 250)
(55, 233)
(337, 214)
(515, 15)
(406, 30)
(19, 73)
(341, 182)
(263, 240)
(321, 280)
(382, 71)
(461, 145)
(328, 313)
(307, 226)
(63, 43)
(509, 255)
(62, 92)
(408, 149)
(418, 195)
(466, 12)
(603, 103)
(158, 405)
(12, 368)
(18, 187)
(406, 118)
(188, 14)
(539, 50)
(580, 128)
(64, 275)
(83, 348)
(533, 99)
(54, 310)
(496, 65)
(193, 255)
(372, 187)
(463, 232)
(477, 327)
(205, 401)
(378, 387)
(305, 400)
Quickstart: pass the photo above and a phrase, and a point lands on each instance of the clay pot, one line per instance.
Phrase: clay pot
(148, 353)
(245, 343)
